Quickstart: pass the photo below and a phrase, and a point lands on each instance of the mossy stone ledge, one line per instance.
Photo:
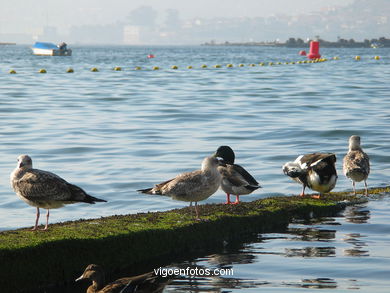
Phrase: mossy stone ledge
(39, 259)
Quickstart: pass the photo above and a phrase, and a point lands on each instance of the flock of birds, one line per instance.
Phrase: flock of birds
(43, 189)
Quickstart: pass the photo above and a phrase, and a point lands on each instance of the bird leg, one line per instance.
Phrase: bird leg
(196, 211)
(365, 184)
(47, 220)
(354, 188)
(316, 196)
(303, 190)
(36, 220)
(228, 199)
(237, 200)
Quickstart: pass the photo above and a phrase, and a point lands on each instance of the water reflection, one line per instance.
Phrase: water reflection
(356, 215)
(318, 283)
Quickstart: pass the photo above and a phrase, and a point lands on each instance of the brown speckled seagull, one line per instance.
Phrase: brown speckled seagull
(43, 189)
(191, 186)
(356, 164)
(148, 282)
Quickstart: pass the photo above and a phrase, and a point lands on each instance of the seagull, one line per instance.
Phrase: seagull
(356, 163)
(43, 189)
(191, 186)
(317, 171)
(235, 179)
(149, 282)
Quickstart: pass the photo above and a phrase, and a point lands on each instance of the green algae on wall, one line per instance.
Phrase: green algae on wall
(37, 259)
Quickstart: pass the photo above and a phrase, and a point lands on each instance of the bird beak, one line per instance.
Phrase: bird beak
(221, 163)
(80, 278)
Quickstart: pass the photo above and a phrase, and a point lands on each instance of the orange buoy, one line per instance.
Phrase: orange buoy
(314, 50)
(151, 56)
(302, 53)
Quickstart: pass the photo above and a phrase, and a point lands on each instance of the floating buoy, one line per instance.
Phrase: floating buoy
(292, 62)
(117, 68)
(241, 65)
(174, 67)
(203, 66)
(302, 53)
(336, 58)
(137, 68)
(156, 68)
(314, 50)
(42, 70)
(12, 71)
(189, 67)
(252, 65)
(357, 58)
(270, 63)
(69, 70)
(229, 65)
(151, 56)
(94, 69)
(217, 66)
(377, 57)
(261, 64)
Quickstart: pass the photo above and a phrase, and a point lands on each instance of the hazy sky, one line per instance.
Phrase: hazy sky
(25, 16)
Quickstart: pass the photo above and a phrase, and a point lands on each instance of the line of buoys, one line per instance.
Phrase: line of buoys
(229, 65)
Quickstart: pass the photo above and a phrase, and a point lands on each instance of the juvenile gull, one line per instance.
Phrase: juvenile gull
(235, 179)
(317, 171)
(148, 282)
(356, 163)
(191, 186)
(43, 189)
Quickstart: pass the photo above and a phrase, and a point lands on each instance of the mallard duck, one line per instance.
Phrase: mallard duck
(192, 186)
(235, 179)
(43, 189)
(356, 163)
(317, 171)
(147, 283)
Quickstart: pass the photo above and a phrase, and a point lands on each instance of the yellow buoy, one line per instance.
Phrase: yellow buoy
(203, 66)
(137, 68)
(270, 63)
(261, 64)
(69, 70)
(357, 58)
(156, 68)
(117, 68)
(42, 70)
(189, 67)
(174, 67)
(229, 65)
(241, 65)
(94, 69)
(252, 65)
(292, 62)
(217, 66)
(336, 58)
(377, 57)
(12, 71)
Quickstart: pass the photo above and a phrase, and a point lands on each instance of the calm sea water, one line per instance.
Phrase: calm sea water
(112, 132)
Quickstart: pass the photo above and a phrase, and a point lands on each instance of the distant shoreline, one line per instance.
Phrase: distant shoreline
(5, 43)
(299, 43)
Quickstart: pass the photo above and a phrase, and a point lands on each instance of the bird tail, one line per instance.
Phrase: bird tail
(92, 199)
(252, 187)
(147, 190)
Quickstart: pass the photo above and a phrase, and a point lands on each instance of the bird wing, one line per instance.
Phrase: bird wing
(357, 160)
(36, 184)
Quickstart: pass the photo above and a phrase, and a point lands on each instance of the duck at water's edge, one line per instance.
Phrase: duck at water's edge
(316, 171)
(235, 179)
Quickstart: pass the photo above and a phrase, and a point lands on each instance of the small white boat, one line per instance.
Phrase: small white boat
(50, 49)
